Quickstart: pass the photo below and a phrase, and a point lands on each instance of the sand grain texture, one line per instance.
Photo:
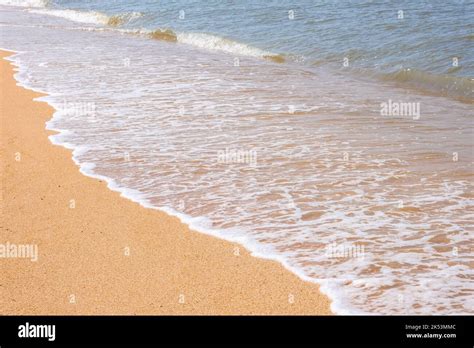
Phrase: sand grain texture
(82, 249)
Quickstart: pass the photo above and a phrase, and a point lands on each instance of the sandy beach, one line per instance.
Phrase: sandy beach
(99, 253)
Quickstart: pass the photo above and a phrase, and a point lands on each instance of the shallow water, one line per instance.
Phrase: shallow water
(307, 164)
(427, 44)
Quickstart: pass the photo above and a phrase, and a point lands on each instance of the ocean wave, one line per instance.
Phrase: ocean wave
(461, 88)
(91, 17)
(208, 42)
(216, 43)
(201, 40)
(124, 18)
(25, 3)
(164, 35)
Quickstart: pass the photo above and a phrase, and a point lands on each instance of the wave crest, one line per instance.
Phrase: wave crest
(216, 43)
(207, 41)
(124, 18)
(90, 17)
(200, 40)
(461, 88)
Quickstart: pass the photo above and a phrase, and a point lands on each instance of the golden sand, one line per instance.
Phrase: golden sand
(99, 253)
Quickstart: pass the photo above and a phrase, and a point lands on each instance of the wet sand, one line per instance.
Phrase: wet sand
(99, 253)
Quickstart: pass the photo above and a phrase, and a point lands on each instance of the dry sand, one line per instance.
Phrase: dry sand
(83, 266)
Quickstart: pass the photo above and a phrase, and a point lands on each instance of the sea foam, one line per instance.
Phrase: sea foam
(25, 3)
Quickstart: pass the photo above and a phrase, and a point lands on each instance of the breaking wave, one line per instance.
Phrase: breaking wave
(201, 40)
(91, 17)
(461, 88)
(207, 42)
(216, 43)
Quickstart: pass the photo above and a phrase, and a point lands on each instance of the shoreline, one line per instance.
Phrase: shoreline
(99, 253)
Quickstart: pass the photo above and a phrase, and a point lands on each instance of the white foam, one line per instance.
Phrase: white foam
(25, 3)
(208, 42)
(87, 17)
(216, 43)
(200, 40)
(90, 17)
